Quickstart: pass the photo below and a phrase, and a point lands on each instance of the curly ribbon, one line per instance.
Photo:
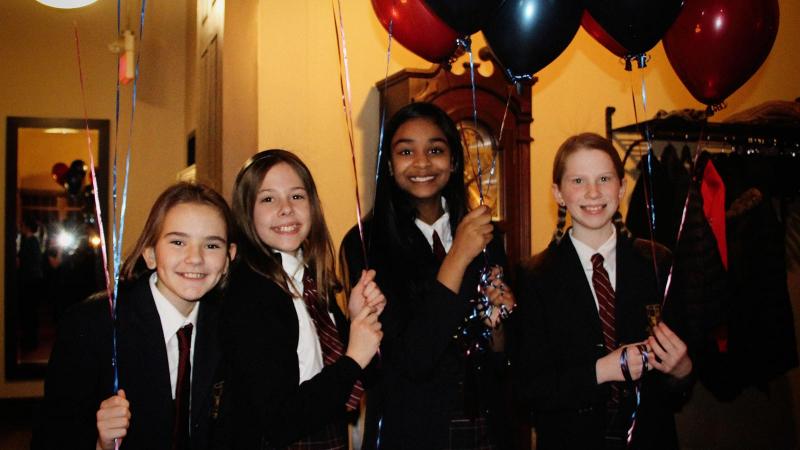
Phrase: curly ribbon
(475, 331)
(637, 385)
(344, 84)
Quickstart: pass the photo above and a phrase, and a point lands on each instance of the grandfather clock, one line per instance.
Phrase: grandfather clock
(508, 191)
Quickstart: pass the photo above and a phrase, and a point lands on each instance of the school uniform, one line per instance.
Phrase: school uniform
(424, 392)
(562, 339)
(80, 373)
(277, 393)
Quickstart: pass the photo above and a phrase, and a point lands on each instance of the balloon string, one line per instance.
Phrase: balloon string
(651, 192)
(344, 83)
(478, 145)
(124, 206)
(98, 212)
(375, 205)
(495, 151)
(100, 226)
(116, 152)
(648, 176)
(382, 127)
(668, 285)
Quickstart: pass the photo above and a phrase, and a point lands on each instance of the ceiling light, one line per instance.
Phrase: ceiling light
(66, 4)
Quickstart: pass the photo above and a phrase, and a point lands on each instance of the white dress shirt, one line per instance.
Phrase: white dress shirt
(441, 226)
(609, 251)
(171, 321)
(309, 351)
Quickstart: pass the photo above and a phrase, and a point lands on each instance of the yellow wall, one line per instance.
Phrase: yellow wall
(300, 101)
(39, 78)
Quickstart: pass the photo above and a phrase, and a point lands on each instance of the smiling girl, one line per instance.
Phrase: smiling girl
(430, 392)
(583, 300)
(166, 338)
(292, 371)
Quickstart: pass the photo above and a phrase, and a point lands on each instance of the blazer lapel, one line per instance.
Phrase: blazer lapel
(145, 338)
(576, 288)
(206, 355)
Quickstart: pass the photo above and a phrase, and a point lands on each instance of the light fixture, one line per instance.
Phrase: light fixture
(66, 4)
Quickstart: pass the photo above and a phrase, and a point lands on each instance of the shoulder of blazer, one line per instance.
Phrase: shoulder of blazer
(544, 261)
(247, 287)
(644, 248)
(243, 276)
(97, 306)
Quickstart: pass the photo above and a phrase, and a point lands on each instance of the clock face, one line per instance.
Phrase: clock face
(482, 167)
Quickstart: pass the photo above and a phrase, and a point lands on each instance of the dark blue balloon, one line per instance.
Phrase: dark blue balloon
(527, 35)
(465, 16)
(637, 25)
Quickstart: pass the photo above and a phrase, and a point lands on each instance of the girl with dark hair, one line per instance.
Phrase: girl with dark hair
(290, 378)
(165, 332)
(590, 318)
(429, 391)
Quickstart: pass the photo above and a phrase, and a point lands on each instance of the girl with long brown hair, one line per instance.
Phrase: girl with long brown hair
(292, 373)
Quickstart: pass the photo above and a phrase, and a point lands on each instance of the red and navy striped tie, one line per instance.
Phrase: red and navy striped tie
(329, 340)
(605, 302)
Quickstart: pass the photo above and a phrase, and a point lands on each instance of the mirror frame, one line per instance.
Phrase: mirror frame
(14, 369)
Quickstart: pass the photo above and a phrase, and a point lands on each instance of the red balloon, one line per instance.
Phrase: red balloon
(600, 35)
(715, 46)
(59, 173)
(417, 28)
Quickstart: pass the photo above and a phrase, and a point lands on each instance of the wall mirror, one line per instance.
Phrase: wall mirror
(53, 256)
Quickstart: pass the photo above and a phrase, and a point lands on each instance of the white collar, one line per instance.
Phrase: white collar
(608, 249)
(441, 227)
(294, 267)
(171, 319)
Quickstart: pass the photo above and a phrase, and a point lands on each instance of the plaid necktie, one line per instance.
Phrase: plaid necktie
(180, 431)
(329, 340)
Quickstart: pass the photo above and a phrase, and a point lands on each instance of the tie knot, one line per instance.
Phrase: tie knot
(185, 334)
(597, 260)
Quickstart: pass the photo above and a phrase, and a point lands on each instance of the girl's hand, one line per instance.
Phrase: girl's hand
(608, 367)
(472, 235)
(499, 292)
(113, 419)
(366, 293)
(365, 336)
(670, 350)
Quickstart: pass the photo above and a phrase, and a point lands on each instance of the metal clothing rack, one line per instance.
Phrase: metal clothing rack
(772, 139)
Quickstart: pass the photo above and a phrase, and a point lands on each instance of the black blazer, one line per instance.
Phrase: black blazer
(562, 339)
(80, 375)
(263, 403)
(423, 379)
